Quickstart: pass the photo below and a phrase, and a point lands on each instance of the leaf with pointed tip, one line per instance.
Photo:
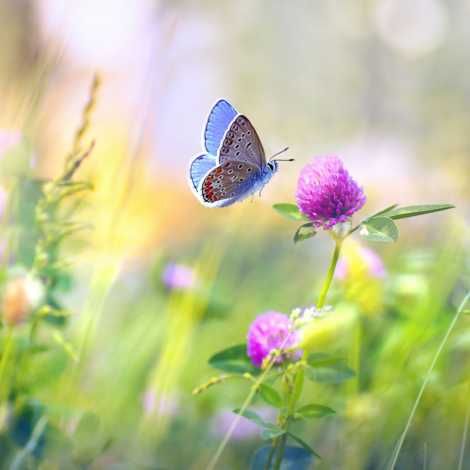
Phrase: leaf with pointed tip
(303, 444)
(268, 430)
(314, 410)
(270, 395)
(413, 211)
(334, 374)
(320, 359)
(252, 416)
(290, 211)
(382, 212)
(304, 232)
(234, 360)
(379, 229)
(271, 432)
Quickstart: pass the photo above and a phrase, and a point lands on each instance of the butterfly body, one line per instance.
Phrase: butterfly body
(234, 165)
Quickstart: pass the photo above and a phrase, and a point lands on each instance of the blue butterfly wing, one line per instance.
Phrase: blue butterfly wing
(229, 183)
(199, 167)
(242, 143)
(220, 117)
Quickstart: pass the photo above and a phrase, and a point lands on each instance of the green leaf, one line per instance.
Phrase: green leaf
(304, 232)
(379, 229)
(323, 359)
(296, 389)
(413, 211)
(313, 410)
(252, 416)
(268, 430)
(270, 395)
(290, 211)
(330, 375)
(381, 212)
(65, 344)
(303, 444)
(271, 432)
(234, 360)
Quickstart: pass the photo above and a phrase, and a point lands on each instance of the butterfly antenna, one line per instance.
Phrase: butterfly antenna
(279, 153)
(281, 159)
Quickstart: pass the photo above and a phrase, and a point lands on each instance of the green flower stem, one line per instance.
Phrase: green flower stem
(295, 386)
(278, 446)
(293, 392)
(282, 447)
(298, 383)
(244, 406)
(271, 455)
(329, 275)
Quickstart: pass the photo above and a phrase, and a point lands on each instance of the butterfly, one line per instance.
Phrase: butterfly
(234, 163)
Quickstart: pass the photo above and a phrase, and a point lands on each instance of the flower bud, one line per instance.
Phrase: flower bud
(20, 297)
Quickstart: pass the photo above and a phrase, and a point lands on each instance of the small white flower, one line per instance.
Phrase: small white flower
(300, 317)
(34, 289)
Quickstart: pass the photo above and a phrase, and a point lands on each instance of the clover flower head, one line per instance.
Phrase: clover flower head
(327, 194)
(269, 333)
(178, 277)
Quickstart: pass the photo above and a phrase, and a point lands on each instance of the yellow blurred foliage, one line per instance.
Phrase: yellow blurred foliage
(361, 282)
(323, 331)
(126, 210)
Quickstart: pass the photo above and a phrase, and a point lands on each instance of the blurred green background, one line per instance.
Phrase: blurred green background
(383, 84)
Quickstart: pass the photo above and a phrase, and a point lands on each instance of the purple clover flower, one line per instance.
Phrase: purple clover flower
(327, 194)
(270, 331)
(178, 277)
